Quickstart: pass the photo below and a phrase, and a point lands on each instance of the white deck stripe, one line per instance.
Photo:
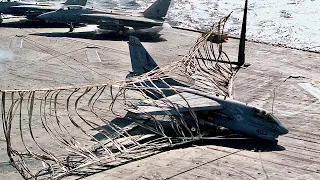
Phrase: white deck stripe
(93, 55)
(311, 89)
(16, 42)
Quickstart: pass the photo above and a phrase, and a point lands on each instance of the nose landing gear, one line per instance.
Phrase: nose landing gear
(71, 27)
(1, 18)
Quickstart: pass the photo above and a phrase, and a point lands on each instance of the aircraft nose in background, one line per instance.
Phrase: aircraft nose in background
(46, 17)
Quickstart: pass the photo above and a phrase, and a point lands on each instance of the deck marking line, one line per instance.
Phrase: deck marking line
(314, 91)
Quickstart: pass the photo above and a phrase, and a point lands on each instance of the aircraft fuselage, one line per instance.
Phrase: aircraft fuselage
(244, 119)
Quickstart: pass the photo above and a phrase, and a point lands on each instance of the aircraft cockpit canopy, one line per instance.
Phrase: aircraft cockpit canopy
(264, 116)
(71, 7)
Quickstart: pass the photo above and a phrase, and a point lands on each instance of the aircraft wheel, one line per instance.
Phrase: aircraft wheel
(1, 20)
(120, 32)
(71, 29)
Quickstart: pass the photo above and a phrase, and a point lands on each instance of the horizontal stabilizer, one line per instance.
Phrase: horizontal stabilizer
(76, 2)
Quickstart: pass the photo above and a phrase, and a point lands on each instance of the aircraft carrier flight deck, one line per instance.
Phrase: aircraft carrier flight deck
(283, 80)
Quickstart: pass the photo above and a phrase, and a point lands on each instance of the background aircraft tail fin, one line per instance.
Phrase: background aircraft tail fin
(76, 2)
(141, 61)
(158, 9)
(241, 54)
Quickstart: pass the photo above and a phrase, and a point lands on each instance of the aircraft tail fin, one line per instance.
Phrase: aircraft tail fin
(157, 10)
(76, 2)
(141, 61)
(241, 54)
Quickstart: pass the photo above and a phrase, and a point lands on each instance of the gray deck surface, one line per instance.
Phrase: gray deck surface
(51, 57)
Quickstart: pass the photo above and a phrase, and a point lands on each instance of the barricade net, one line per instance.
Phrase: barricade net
(79, 130)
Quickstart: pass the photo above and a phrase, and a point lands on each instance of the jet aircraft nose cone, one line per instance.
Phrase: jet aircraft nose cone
(41, 17)
(282, 130)
(44, 17)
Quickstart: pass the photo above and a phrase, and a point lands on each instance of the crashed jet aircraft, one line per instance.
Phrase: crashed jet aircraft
(175, 98)
(118, 20)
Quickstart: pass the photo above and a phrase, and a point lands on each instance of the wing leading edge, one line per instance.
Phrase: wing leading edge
(108, 17)
(178, 103)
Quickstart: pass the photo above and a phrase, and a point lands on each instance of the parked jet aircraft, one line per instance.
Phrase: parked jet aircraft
(118, 20)
(221, 111)
(5, 7)
(34, 9)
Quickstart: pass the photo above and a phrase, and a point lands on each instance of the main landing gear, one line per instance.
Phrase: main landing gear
(122, 30)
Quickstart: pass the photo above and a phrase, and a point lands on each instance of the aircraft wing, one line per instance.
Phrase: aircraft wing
(179, 102)
(35, 7)
(126, 18)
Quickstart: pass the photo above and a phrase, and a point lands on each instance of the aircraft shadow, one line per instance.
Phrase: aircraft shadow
(106, 35)
(243, 143)
(231, 140)
(217, 136)
(24, 23)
